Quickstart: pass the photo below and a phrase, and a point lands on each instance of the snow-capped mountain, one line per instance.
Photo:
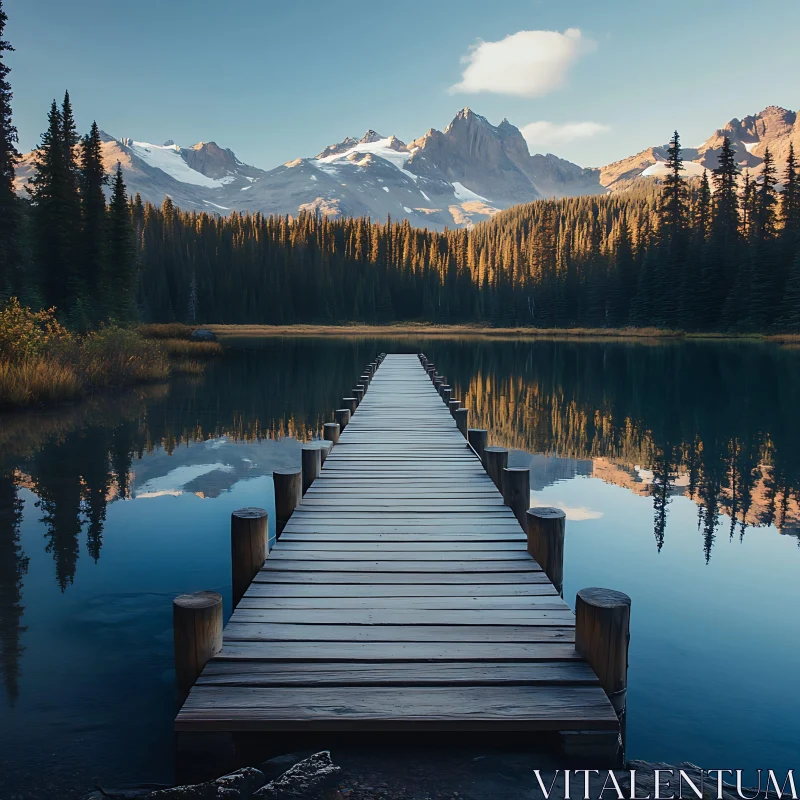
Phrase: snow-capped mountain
(454, 177)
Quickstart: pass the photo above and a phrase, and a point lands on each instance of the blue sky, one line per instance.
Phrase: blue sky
(276, 80)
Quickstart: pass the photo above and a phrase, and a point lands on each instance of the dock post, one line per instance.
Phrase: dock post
(358, 393)
(461, 416)
(342, 417)
(249, 542)
(311, 458)
(478, 438)
(331, 431)
(325, 448)
(431, 370)
(546, 528)
(364, 381)
(453, 406)
(446, 392)
(517, 492)
(197, 633)
(602, 635)
(437, 383)
(288, 493)
(350, 403)
(496, 460)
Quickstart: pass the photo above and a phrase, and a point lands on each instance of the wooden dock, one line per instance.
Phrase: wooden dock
(400, 596)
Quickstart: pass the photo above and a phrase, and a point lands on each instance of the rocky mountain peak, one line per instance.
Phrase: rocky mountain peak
(467, 118)
(209, 159)
(341, 147)
(371, 136)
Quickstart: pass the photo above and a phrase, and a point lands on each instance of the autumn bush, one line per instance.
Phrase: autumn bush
(42, 363)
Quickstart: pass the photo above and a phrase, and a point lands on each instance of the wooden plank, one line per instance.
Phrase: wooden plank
(407, 578)
(400, 566)
(392, 708)
(443, 673)
(399, 651)
(548, 631)
(269, 600)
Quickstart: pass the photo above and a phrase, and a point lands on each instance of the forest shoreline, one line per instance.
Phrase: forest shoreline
(407, 329)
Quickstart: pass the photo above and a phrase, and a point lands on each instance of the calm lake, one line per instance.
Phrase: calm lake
(678, 466)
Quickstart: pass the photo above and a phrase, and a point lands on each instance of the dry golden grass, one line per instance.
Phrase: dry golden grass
(37, 382)
(180, 348)
(428, 330)
(187, 366)
(169, 330)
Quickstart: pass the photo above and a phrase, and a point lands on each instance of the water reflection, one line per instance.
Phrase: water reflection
(711, 422)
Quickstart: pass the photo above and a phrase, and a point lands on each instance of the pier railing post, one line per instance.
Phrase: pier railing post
(342, 417)
(546, 528)
(495, 461)
(288, 493)
(350, 403)
(461, 416)
(311, 461)
(331, 431)
(517, 492)
(478, 438)
(358, 393)
(453, 406)
(249, 542)
(197, 633)
(602, 635)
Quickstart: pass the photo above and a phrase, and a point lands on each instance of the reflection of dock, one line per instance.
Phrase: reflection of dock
(401, 596)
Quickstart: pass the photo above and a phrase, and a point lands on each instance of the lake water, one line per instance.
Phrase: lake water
(678, 465)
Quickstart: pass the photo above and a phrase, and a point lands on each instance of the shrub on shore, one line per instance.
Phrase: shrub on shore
(42, 363)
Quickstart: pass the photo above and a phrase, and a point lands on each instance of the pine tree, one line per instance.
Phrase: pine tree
(790, 200)
(121, 259)
(9, 205)
(720, 265)
(790, 319)
(766, 280)
(670, 259)
(96, 284)
(54, 229)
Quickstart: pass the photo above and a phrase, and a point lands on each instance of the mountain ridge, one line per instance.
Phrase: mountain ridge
(455, 177)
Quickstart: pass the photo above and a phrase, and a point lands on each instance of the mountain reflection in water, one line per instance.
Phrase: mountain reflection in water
(667, 422)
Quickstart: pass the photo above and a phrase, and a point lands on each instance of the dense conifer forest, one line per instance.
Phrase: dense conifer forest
(719, 254)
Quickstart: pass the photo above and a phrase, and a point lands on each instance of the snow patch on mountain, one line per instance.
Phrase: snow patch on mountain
(463, 194)
(168, 159)
(659, 170)
(390, 149)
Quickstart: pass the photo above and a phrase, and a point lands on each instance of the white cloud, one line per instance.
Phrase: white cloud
(526, 63)
(544, 134)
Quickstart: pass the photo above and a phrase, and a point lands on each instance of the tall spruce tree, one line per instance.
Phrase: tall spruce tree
(671, 256)
(49, 189)
(9, 205)
(94, 278)
(768, 276)
(121, 261)
(720, 265)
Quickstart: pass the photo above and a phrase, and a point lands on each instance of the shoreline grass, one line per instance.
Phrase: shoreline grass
(44, 364)
(479, 331)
